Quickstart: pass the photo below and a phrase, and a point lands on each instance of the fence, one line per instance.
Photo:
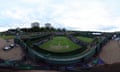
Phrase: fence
(87, 53)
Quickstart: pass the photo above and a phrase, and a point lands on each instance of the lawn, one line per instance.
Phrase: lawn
(6, 37)
(59, 44)
(85, 39)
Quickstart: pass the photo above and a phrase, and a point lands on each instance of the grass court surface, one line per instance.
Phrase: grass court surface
(59, 44)
(85, 39)
(6, 37)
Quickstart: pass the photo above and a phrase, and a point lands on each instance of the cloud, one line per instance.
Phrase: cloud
(84, 16)
(3, 28)
(92, 16)
(76, 15)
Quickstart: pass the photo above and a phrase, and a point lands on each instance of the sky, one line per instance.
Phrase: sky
(81, 15)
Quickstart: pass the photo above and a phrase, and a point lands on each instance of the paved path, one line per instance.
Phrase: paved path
(14, 54)
(111, 52)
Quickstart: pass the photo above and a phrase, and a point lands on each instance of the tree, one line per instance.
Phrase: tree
(59, 30)
(64, 30)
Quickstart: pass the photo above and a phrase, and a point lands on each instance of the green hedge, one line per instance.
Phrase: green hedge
(54, 57)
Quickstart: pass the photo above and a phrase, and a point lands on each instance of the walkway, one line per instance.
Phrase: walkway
(14, 54)
(111, 52)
